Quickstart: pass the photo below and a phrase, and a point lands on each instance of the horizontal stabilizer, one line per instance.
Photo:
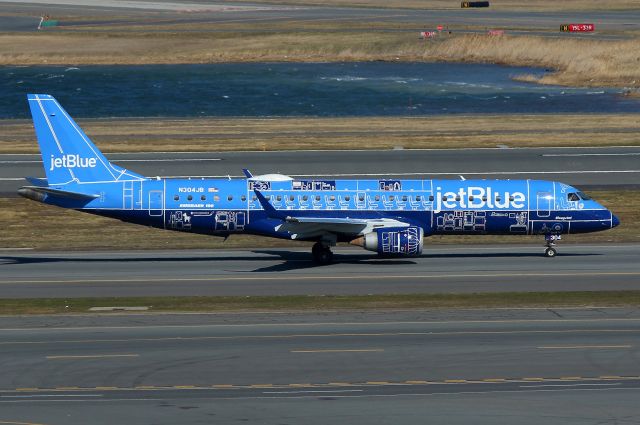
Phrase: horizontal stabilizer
(37, 193)
(37, 182)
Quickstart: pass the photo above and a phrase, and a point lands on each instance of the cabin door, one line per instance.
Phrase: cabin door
(544, 204)
(156, 204)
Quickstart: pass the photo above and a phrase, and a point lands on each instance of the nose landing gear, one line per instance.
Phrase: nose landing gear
(550, 250)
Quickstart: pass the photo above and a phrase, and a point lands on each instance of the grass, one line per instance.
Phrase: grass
(577, 62)
(28, 224)
(226, 134)
(318, 303)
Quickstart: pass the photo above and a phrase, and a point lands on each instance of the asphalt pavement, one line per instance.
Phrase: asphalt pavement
(606, 168)
(495, 366)
(441, 269)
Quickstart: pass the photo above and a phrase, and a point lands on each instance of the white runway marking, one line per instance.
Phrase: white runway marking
(52, 395)
(426, 173)
(592, 154)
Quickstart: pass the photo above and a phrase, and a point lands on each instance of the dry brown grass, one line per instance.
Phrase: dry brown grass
(33, 225)
(226, 134)
(579, 62)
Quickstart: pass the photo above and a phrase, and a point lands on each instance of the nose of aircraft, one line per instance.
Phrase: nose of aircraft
(615, 221)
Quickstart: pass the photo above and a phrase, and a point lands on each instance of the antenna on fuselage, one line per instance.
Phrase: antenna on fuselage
(462, 177)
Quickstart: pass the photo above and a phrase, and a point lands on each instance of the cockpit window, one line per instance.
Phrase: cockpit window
(573, 197)
(584, 196)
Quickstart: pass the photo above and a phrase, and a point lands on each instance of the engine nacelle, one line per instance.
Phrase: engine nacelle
(405, 241)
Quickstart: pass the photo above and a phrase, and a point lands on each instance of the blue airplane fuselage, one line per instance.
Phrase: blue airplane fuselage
(226, 206)
(388, 216)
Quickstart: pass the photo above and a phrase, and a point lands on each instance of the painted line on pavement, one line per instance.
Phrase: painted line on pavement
(580, 347)
(355, 350)
(94, 356)
(155, 279)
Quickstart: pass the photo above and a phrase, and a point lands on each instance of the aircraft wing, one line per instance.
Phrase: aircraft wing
(313, 226)
(309, 226)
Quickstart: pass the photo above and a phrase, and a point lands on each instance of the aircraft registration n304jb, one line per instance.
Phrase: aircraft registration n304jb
(390, 217)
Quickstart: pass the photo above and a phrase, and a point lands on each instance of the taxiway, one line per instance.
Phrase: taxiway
(500, 366)
(442, 268)
(604, 168)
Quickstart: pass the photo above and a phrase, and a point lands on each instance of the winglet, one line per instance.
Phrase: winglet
(268, 208)
(247, 173)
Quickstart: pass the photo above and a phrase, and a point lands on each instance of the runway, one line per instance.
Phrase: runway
(382, 367)
(441, 269)
(607, 168)
(137, 13)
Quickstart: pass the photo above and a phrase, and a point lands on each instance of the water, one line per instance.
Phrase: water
(293, 89)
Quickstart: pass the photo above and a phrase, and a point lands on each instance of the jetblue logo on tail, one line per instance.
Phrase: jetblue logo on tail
(72, 161)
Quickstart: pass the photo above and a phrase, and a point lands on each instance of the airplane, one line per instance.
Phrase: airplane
(387, 216)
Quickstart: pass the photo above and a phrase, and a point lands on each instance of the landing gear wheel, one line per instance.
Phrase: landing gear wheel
(551, 240)
(321, 254)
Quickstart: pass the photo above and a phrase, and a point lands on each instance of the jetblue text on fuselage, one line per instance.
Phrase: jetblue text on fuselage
(71, 161)
(474, 197)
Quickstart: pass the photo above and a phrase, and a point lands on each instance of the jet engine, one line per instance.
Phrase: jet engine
(393, 241)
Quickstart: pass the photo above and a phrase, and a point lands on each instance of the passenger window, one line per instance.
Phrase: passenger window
(216, 198)
(347, 198)
(458, 198)
(189, 198)
(176, 198)
(392, 198)
(243, 198)
(377, 198)
(471, 197)
(305, 198)
(203, 198)
(418, 198)
(573, 197)
(431, 198)
(230, 198)
(404, 198)
(268, 197)
(332, 198)
(278, 198)
(291, 197)
(511, 198)
(361, 198)
(484, 198)
(498, 198)
(317, 197)
(254, 197)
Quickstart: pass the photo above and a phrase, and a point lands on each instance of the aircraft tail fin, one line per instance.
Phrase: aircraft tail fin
(68, 155)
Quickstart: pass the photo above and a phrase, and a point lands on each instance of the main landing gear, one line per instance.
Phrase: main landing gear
(550, 250)
(322, 253)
